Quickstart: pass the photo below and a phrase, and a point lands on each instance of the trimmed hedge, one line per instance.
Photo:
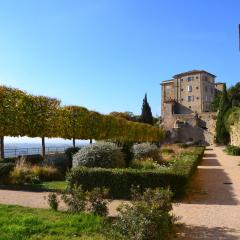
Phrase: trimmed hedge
(119, 181)
(5, 169)
(232, 150)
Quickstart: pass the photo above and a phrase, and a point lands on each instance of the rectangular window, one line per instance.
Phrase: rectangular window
(189, 88)
(189, 98)
(189, 79)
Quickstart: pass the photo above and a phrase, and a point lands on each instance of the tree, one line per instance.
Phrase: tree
(234, 95)
(222, 134)
(216, 101)
(146, 116)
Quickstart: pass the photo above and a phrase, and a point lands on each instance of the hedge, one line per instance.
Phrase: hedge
(119, 181)
(5, 169)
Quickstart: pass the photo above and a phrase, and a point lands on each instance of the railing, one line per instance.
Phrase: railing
(15, 152)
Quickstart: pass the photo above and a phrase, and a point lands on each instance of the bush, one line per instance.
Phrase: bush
(23, 173)
(126, 148)
(57, 160)
(232, 150)
(167, 151)
(148, 217)
(93, 201)
(145, 164)
(32, 159)
(101, 154)
(5, 169)
(69, 152)
(119, 181)
(53, 201)
(146, 150)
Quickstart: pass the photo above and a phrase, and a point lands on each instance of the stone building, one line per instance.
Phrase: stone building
(185, 98)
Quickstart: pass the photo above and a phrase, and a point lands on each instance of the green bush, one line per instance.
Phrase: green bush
(53, 201)
(33, 159)
(167, 150)
(69, 152)
(79, 200)
(145, 164)
(146, 150)
(5, 169)
(148, 217)
(232, 150)
(101, 154)
(119, 181)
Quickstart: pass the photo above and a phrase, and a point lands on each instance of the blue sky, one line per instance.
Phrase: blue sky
(105, 54)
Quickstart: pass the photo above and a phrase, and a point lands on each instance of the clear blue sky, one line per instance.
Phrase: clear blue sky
(105, 54)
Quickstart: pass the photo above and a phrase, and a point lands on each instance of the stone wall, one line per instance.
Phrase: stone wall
(235, 135)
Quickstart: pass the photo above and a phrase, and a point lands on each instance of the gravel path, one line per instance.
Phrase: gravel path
(210, 211)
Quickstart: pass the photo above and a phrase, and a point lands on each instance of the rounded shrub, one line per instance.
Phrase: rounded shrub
(101, 154)
(146, 150)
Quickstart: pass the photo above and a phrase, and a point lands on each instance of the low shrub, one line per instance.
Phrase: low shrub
(53, 201)
(146, 150)
(126, 148)
(145, 164)
(5, 169)
(57, 160)
(147, 217)
(167, 150)
(69, 152)
(101, 154)
(232, 150)
(32, 159)
(23, 173)
(79, 200)
(119, 181)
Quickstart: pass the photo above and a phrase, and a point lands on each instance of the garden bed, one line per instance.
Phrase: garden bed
(120, 181)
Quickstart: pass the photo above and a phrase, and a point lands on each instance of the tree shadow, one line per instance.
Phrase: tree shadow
(189, 232)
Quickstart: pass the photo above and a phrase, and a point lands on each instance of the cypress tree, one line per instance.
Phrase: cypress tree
(222, 135)
(146, 116)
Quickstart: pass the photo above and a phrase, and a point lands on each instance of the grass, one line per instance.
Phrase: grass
(18, 223)
(55, 185)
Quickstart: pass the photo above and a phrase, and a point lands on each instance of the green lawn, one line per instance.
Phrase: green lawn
(55, 185)
(20, 223)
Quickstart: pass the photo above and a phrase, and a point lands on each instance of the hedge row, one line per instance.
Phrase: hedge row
(22, 114)
(119, 181)
(5, 169)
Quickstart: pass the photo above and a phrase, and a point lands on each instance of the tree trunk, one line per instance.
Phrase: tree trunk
(43, 147)
(2, 147)
(74, 144)
(91, 141)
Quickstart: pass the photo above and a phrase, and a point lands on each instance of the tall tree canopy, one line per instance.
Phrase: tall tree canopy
(222, 135)
(146, 116)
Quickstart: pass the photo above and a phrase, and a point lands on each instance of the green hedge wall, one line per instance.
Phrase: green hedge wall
(119, 181)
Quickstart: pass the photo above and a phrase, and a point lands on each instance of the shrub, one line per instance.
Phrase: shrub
(79, 200)
(69, 152)
(5, 169)
(146, 150)
(98, 203)
(232, 150)
(119, 181)
(32, 159)
(145, 164)
(53, 201)
(126, 148)
(167, 150)
(148, 217)
(25, 174)
(58, 160)
(101, 154)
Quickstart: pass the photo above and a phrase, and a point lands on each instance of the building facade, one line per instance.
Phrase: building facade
(189, 92)
(186, 106)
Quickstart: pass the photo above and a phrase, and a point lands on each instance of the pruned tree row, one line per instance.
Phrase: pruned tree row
(22, 114)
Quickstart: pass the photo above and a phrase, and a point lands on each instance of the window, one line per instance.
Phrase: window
(189, 79)
(196, 77)
(189, 98)
(181, 80)
(189, 88)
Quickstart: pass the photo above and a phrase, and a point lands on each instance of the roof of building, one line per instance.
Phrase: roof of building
(192, 72)
(167, 81)
(219, 83)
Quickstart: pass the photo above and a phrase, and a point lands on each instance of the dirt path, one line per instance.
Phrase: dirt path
(212, 210)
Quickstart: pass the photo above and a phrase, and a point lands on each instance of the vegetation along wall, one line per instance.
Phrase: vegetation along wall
(232, 122)
(22, 114)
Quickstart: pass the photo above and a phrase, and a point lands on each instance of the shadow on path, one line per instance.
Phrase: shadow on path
(187, 232)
